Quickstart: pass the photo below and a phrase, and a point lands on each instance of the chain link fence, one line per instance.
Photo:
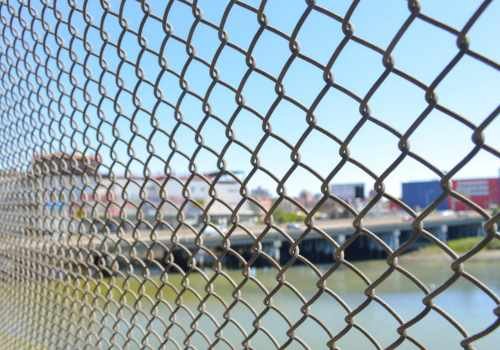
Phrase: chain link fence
(135, 136)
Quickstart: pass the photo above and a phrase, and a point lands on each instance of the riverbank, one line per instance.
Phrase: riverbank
(460, 246)
(168, 286)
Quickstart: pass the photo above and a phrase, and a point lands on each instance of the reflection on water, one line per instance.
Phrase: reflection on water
(230, 308)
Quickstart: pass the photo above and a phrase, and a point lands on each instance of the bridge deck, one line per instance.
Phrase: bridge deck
(241, 236)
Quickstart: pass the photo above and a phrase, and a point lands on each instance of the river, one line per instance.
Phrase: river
(463, 301)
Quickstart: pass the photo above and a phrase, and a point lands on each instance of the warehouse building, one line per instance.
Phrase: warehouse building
(349, 191)
(420, 194)
(484, 192)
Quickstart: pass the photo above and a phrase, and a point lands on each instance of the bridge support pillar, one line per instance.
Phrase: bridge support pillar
(441, 232)
(480, 231)
(392, 239)
(274, 250)
(340, 239)
(395, 239)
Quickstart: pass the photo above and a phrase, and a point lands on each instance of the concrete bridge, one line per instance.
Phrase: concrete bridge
(159, 246)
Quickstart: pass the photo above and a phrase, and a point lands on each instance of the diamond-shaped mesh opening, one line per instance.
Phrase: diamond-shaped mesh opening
(319, 51)
(479, 45)
(270, 63)
(219, 175)
(412, 49)
(477, 89)
(240, 15)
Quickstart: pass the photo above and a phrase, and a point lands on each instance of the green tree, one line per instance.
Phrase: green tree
(281, 216)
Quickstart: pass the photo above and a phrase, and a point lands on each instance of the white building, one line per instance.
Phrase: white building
(67, 190)
(163, 197)
(349, 191)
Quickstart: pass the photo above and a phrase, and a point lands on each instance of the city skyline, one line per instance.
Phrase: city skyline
(159, 189)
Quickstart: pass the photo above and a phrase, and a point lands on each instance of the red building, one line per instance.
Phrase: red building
(484, 192)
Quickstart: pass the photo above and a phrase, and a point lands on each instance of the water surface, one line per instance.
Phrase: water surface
(214, 310)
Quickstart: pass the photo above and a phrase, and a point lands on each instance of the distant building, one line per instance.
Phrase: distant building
(306, 199)
(66, 187)
(349, 191)
(420, 194)
(122, 195)
(263, 197)
(60, 163)
(484, 192)
(332, 210)
(164, 195)
(19, 207)
(260, 192)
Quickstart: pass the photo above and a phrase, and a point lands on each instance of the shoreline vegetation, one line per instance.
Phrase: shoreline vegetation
(461, 246)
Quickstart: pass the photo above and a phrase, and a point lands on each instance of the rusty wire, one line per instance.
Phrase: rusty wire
(66, 282)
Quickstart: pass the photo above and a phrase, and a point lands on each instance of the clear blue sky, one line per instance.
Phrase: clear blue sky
(472, 89)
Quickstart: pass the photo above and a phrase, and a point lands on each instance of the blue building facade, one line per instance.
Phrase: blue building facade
(422, 193)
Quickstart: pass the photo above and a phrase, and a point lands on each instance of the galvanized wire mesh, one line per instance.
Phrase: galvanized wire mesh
(83, 264)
